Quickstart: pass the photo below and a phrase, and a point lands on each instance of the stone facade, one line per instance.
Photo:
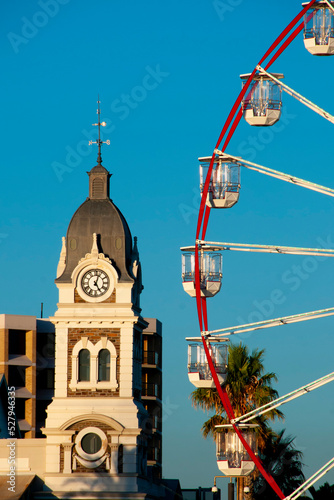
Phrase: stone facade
(94, 335)
(109, 300)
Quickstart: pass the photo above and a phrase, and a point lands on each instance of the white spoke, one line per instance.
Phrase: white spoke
(276, 174)
(329, 5)
(285, 399)
(309, 482)
(246, 247)
(260, 325)
(297, 96)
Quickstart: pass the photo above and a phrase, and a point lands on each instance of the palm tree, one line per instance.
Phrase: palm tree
(325, 492)
(248, 387)
(281, 459)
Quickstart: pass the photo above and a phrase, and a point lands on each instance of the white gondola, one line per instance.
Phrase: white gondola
(224, 184)
(210, 270)
(198, 367)
(262, 102)
(232, 457)
(319, 29)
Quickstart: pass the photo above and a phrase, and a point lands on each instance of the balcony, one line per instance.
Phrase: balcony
(153, 455)
(151, 390)
(151, 358)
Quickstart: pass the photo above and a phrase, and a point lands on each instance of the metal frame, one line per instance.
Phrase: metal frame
(309, 482)
(297, 96)
(230, 125)
(260, 325)
(329, 5)
(275, 173)
(323, 2)
(305, 389)
(246, 247)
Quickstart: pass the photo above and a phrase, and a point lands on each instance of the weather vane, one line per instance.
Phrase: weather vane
(98, 141)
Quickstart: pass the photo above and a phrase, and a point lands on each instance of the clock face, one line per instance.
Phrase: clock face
(95, 282)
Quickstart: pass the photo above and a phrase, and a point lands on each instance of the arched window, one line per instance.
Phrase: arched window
(94, 366)
(104, 365)
(84, 365)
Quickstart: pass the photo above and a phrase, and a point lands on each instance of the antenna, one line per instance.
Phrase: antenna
(99, 124)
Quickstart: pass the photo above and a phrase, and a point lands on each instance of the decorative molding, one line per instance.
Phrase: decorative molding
(91, 460)
(62, 259)
(94, 350)
(88, 416)
(90, 256)
(92, 261)
(95, 255)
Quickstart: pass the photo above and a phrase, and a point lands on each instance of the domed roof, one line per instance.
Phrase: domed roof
(99, 169)
(99, 215)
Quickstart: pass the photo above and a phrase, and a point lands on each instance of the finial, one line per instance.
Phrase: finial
(135, 248)
(99, 124)
(94, 251)
(62, 259)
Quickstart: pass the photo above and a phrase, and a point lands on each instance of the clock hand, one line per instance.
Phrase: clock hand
(97, 286)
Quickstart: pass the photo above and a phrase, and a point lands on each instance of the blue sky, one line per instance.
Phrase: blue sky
(167, 75)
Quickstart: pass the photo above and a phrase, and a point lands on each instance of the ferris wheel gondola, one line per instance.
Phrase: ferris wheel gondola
(225, 181)
(210, 269)
(262, 104)
(233, 459)
(319, 28)
(199, 372)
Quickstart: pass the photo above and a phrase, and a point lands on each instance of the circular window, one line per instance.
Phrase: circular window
(91, 443)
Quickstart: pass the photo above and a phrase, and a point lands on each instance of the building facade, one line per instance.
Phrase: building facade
(88, 381)
(27, 363)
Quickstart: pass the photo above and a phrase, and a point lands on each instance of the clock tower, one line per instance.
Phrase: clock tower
(97, 428)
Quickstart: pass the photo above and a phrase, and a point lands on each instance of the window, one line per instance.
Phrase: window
(94, 366)
(104, 365)
(20, 408)
(91, 448)
(91, 443)
(84, 365)
(17, 342)
(120, 459)
(17, 376)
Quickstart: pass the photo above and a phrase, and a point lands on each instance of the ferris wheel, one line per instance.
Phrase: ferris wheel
(260, 104)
